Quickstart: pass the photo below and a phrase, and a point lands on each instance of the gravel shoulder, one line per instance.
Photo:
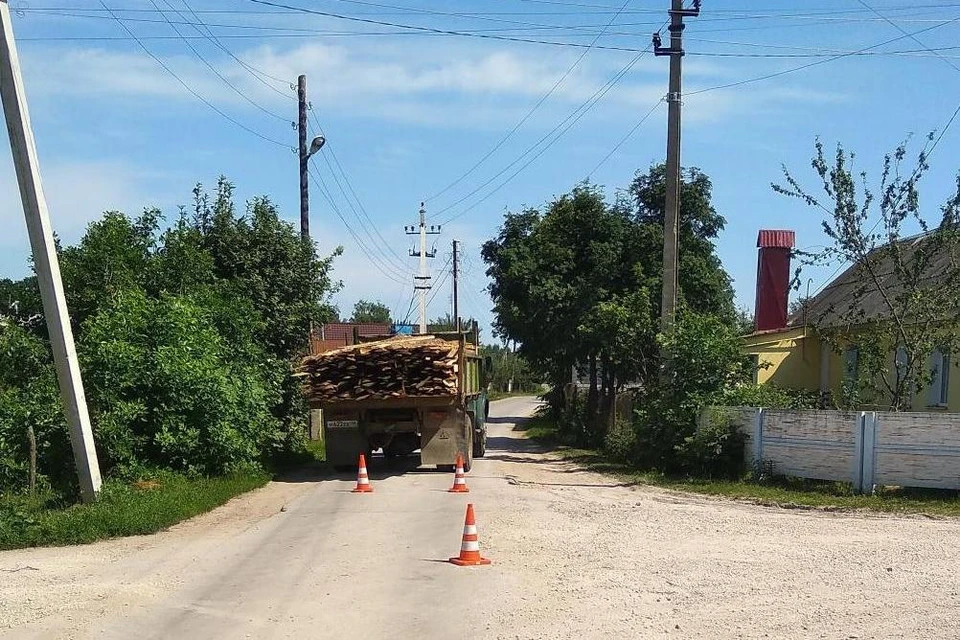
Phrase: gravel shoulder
(575, 555)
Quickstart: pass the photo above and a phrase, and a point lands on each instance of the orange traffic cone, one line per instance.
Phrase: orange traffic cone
(363, 481)
(460, 479)
(470, 547)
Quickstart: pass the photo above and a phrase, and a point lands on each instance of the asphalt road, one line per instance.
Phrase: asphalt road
(575, 555)
(331, 564)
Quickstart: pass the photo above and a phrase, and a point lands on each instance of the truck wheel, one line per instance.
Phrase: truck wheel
(480, 444)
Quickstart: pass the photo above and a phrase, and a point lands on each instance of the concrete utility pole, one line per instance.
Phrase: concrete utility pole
(45, 260)
(456, 274)
(304, 157)
(422, 282)
(668, 306)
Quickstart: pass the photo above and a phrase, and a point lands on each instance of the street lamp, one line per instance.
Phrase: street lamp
(316, 145)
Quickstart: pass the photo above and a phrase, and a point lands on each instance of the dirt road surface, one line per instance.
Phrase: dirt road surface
(575, 555)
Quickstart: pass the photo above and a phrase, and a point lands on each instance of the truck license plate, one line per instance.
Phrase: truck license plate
(341, 424)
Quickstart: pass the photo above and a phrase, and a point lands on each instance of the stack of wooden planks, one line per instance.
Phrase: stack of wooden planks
(394, 368)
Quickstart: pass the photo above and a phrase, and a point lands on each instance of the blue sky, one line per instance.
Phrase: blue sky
(409, 112)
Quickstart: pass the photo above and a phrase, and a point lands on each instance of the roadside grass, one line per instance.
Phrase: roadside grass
(124, 509)
(778, 491)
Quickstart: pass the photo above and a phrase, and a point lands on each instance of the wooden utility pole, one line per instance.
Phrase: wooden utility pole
(304, 157)
(456, 304)
(45, 260)
(668, 306)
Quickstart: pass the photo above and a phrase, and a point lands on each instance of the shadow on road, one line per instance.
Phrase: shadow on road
(378, 468)
(517, 420)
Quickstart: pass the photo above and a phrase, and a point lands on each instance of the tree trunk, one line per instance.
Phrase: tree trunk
(593, 395)
(611, 400)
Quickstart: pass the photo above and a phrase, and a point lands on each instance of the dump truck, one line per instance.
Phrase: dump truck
(401, 394)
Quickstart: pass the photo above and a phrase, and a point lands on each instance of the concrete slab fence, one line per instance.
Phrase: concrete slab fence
(864, 448)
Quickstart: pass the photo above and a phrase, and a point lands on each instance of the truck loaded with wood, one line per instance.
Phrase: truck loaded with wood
(401, 394)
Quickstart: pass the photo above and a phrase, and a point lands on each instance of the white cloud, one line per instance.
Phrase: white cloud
(432, 84)
(77, 193)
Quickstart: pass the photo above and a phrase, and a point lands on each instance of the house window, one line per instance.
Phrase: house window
(851, 360)
(940, 381)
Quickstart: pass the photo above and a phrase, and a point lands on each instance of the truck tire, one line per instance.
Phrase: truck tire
(480, 444)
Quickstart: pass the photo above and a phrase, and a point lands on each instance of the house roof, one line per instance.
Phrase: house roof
(855, 297)
(344, 330)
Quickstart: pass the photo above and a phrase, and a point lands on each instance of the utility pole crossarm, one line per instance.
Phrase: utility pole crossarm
(422, 281)
(47, 266)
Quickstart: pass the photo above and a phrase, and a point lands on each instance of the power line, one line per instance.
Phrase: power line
(439, 285)
(529, 113)
(188, 87)
(216, 72)
(819, 62)
(557, 132)
(385, 247)
(384, 269)
(258, 74)
(449, 32)
(593, 10)
(904, 32)
(626, 137)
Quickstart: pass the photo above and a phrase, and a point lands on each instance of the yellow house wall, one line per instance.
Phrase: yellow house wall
(793, 359)
(795, 363)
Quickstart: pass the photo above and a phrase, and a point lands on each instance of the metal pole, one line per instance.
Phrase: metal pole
(304, 158)
(668, 307)
(456, 305)
(45, 260)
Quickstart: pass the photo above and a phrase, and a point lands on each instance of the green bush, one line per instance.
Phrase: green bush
(186, 338)
(706, 361)
(620, 442)
(168, 392)
(715, 450)
(770, 396)
(29, 397)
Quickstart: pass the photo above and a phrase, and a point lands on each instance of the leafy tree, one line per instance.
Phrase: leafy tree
(186, 337)
(709, 362)
(745, 321)
(704, 285)
(446, 323)
(369, 312)
(549, 272)
(507, 366)
(902, 304)
(167, 389)
(20, 303)
(29, 397)
(579, 283)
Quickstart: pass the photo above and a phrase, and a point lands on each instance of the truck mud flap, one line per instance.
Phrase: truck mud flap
(343, 441)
